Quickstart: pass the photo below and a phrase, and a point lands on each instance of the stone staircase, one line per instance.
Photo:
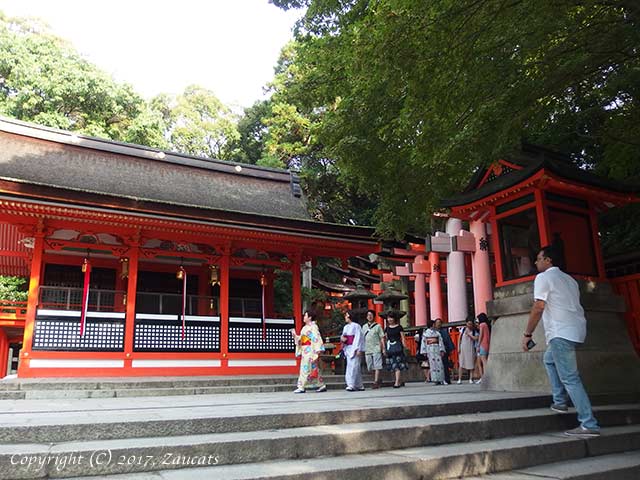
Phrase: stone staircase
(31, 389)
(417, 432)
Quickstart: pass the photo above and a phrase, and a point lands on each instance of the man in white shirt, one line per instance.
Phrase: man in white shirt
(557, 302)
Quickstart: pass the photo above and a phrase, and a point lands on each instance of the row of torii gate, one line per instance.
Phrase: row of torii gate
(454, 243)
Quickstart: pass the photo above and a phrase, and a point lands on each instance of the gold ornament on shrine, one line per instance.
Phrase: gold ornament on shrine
(124, 267)
(214, 275)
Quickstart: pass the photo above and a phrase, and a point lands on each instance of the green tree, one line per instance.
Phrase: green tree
(250, 145)
(44, 80)
(417, 95)
(200, 124)
(292, 141)
(13, 289)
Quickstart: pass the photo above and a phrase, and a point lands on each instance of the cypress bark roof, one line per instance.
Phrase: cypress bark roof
(52, 158)
(41, 163)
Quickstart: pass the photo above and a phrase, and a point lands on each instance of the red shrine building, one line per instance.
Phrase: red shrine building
(142, 262)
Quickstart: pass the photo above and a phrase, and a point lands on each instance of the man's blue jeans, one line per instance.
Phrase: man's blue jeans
(562, 369)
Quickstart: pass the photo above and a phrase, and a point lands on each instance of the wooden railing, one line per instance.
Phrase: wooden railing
(10, 310)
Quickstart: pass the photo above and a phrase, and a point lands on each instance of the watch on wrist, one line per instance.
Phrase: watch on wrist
(528, 335)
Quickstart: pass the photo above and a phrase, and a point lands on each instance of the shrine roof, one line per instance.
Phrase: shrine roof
(45, 156)
(53, 164)
(522, 165)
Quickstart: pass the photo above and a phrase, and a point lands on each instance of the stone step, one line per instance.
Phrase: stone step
(621, 466)
(149, 391)
(454, 460)
(306, 442)
(148, 382)
(150, 386)
(191, 416)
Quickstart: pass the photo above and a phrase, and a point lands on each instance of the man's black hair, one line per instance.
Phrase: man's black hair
(553, 254)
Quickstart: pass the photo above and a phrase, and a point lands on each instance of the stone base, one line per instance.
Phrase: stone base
(607, 360)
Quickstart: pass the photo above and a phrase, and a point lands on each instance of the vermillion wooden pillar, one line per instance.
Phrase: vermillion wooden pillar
(421, 300)
(543, 218)
(456, 277)
(4, 352)
(435, 289)
(420, 292)
(597, 247)
(132, 289)
(296, 280)
(481, 268)
(225, 275)
(32, 303)
(377, 307)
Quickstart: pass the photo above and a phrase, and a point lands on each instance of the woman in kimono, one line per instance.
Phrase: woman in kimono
(352, 346)
(467, 351)
(309, 345)
(432, 346)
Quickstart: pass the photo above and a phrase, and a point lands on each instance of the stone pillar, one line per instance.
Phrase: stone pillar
(405, 305)
(435, 289)
(456, 277)
(607, 361)
(307, 281)
(482, 281)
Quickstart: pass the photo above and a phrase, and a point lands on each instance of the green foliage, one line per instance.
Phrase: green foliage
(44, 80)
(312, 295)
(619, 230)
(201, 125)
(13, 289)
(332, 193)
(250, 144)
(416, 95)
(283, 292)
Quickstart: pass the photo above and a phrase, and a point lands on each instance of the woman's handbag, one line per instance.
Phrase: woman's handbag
(394, 348)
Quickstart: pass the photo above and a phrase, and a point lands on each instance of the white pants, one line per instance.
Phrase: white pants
(353, 375)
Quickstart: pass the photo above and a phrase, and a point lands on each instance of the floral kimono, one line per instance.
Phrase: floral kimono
(432, 346)
(308, 347)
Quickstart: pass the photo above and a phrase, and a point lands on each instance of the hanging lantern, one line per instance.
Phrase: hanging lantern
(84, 307)
(214, 275)
(180, 273)
(124, 267)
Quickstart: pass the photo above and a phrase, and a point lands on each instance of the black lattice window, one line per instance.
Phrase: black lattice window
(63, 334)
(166, 336)
(248, 338)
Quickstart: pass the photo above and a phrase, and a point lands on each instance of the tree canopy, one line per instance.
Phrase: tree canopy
(416, 95)
(385, 107)
(44, 80)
